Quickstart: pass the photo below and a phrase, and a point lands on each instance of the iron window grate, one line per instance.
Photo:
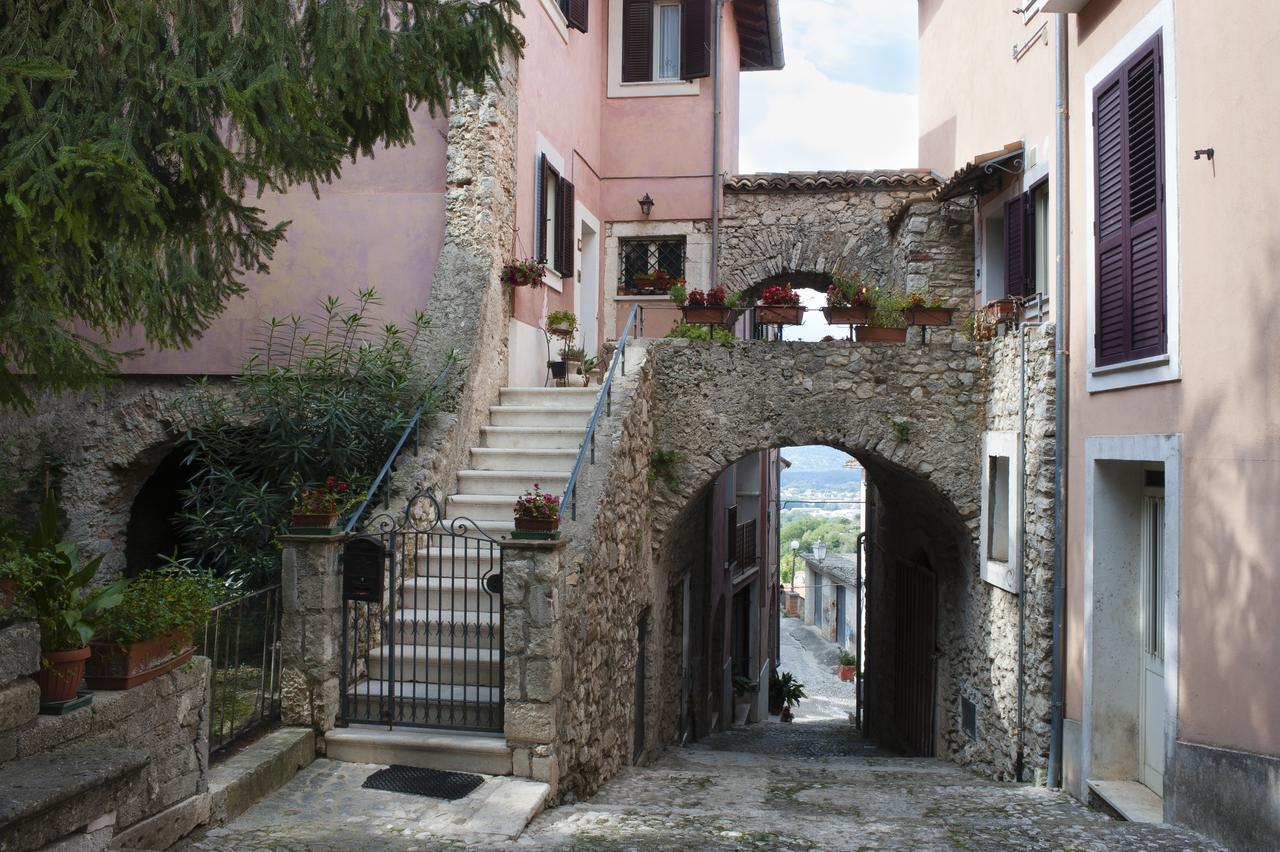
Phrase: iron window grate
(650, 265)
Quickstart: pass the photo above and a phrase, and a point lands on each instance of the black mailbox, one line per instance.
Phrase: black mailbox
(363, 569)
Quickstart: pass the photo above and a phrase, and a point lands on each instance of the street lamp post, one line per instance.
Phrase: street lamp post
(795, 548)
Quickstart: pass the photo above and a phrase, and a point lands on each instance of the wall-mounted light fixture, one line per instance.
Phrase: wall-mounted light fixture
(646, 205)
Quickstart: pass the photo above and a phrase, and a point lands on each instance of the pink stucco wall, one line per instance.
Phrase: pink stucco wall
(381, 225)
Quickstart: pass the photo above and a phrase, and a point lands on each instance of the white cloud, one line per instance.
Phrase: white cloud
(802, 118)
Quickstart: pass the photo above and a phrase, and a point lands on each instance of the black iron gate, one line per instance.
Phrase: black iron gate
(914, 659)
(422, 622)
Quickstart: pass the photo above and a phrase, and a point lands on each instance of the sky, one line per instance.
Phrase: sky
(847, 96)
(845, 100)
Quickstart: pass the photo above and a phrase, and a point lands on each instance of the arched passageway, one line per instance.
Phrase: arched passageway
(153, 530)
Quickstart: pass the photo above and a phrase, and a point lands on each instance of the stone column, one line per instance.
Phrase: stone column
(310, 631)
(533, 643)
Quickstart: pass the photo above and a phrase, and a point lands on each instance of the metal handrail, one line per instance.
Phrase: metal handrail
(604, 402)
(411, 429)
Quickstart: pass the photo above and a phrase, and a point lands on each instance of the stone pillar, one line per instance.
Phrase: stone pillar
(310, 631)
(533, 643)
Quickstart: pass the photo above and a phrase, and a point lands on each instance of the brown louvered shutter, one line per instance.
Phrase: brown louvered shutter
(568, 239)
(637, 41)
(540, 236)
(695, 38)
(575, 12)
(1015, 246)
(1129, 217)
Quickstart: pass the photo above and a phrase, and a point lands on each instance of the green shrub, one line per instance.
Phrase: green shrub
(156, 603)
(699, 332)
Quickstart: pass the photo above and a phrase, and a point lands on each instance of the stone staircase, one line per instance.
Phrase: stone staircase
(447, 656)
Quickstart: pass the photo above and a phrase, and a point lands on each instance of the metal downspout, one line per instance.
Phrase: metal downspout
(1022, 547)
(715, 148)
(1061, 312)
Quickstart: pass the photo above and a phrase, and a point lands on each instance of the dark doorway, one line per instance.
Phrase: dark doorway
(642, 636)
(914, 658)
(154, 530)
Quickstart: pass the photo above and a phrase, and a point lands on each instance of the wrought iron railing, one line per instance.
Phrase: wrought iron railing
(604, 405)
(242, 640)
(410, 431)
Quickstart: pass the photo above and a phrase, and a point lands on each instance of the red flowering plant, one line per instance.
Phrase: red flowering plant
(524, 273)
(849, 293)
(780, 296)
(538, 505)
(712, 298)
(329, 498)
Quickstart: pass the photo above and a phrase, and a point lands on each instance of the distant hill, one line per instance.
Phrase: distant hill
(826, 482)
(814, 458)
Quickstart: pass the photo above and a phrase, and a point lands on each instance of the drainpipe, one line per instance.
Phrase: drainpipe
(1022, 547)
(715, 147)
(1061, 312)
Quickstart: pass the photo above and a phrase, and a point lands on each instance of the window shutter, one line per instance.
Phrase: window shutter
(1129, 223)
(575, 12)
(568, 239)
(695, 38)
(1015, 246)
(637, 41)
(540, 226)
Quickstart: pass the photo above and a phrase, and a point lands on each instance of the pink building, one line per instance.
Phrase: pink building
(1130, 140)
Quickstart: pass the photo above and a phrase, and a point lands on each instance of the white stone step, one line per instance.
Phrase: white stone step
(449, 593)
(532, 437)
(435, 664)
(540, 415)
(510, 481)
(454, 751)
(470, 558)
(559, 397)
(467, 628)
(481, 507)
(534, 461)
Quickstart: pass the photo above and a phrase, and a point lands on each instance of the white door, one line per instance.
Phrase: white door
(1152, 710)
(587, 293)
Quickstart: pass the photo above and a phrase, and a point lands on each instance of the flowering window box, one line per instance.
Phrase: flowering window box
(880, 334)
(847, 316)
(929, 316)
(780, 314)
(537, 515)
(708, 315)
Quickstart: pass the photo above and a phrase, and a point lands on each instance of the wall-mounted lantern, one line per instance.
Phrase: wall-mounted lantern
(646, 205)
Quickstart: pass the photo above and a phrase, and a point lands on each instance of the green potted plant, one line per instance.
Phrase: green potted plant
(562, 323)
(537, 515)
(785, 692)
(587, 368)
(524, 273)
(888, 323)
(743, 689)
(779, 305)
(54, 581)
(927, 311)
(848, 302)
(316, 508)
(848, 665)
(707, 308)
(151, 631)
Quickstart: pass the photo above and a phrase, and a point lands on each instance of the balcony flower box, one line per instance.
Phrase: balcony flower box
(847, 316)
(1001, 310)
(929, 316)
(880, 334)
(537, 515)
(707, 314)
(313, 523)
(779, 314)
(124, 666)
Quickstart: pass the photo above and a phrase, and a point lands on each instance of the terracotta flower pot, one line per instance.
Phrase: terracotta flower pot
(929, 316)
(1001, 310)
(879, 334)
(124, 666)
(708, 315)
(307, 523)
(847, 672)
(537, 528)
(780, 314)
(847, 316)
(60, 674)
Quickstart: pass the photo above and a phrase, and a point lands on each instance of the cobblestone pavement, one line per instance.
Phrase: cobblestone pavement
(812, 660)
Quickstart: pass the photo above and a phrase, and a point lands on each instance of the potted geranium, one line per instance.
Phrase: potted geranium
(537, 515)
(927, 311)
(562, 323)
(779, 305)
(705, 308)
(151, 631)
(848, 302)
(888, 324)
(316, 508)
(848, 665)
(524, 273)
(55, 582)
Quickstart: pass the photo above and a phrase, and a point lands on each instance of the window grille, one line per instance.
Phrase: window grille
(649, 267)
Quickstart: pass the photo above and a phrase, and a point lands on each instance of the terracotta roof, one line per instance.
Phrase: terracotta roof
(818, 181)
(759, 35)
(979, 175)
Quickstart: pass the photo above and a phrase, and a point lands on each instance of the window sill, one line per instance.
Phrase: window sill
(653, 88)
(1144, 371)
(554, 281)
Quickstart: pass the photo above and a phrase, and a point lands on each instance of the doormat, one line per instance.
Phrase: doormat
(435, 783)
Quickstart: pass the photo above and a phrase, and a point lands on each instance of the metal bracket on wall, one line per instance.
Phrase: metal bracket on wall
(1041, 34)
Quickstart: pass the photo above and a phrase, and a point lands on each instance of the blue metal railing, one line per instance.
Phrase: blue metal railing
(604, 403)
(411, 429)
